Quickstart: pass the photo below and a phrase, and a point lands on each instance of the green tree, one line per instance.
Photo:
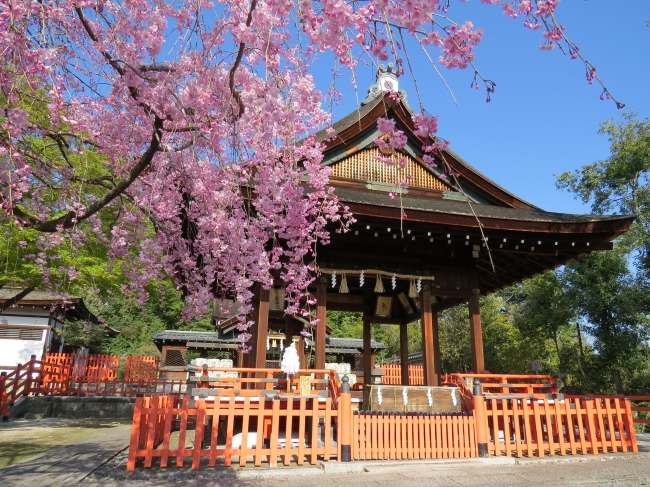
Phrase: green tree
(613, 303)
(620, 182)
(545, 311)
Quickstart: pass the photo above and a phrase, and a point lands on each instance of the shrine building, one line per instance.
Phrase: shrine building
(439, 242)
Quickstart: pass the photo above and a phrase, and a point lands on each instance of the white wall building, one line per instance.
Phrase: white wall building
(28, 324)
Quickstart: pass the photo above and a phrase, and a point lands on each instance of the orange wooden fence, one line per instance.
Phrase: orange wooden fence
(409, 436)
(21, 381)
(96, 367)
(237, 423)
(141, 368)
(394, 374)
(640, 404)
(57, 375)
(532, 426)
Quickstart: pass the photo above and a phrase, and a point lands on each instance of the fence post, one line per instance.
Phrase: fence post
(345, 418)
(29, 379)
(4, 411)
(481, 420)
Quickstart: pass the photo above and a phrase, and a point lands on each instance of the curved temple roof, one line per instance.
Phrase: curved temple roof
(473, 237)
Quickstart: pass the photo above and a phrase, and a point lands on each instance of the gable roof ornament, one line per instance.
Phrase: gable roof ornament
(387, 80)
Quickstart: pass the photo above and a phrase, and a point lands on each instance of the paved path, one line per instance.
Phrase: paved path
(622, 472)
(98, 460)
(67, 464)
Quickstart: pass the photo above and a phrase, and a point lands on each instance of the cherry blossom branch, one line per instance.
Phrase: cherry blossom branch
(71, 218)
(235, 65)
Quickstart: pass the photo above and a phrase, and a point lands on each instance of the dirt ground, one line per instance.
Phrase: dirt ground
(22, 439)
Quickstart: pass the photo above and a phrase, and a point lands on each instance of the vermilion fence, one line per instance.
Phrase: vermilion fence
(59, 375)
(95, 367)
(640, 404)
(141, 368)
(393, 374)
(530, 426)
(409, 436)
(235, 423)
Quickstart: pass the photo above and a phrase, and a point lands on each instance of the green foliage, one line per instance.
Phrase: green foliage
(620, 183)
(506, 348)
(389, 335)
(80, 334)
(162, 311)
(613, 304)
(345, 325)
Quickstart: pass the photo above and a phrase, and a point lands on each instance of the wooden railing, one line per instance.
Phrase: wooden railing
(505, 383)
(531, 426)
(393, 374)
(21, 381)
(57, 376)
(409, 436)
(238, 418)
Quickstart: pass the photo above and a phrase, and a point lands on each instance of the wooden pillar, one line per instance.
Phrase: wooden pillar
(477, 334)
(301, 352)
(404, 349)
(321, 328)
(367, 354)
(261, 331)
(437, 358)
(288, 331)
(428, 353)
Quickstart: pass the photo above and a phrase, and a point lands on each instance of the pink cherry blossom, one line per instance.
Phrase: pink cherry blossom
(199, 117)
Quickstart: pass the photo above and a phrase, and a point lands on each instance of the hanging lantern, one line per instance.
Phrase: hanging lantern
(274, 343)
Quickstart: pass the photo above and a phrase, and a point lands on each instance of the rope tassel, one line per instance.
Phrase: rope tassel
(413, 293)
(379, 286)
(343, 289)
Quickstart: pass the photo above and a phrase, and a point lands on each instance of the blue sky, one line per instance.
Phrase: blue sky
(544, 116)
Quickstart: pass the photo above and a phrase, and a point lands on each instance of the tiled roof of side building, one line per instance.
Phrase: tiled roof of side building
(187, 335)
(36, 295)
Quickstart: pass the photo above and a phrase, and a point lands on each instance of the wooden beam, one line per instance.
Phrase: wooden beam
(404, 350)
(321, 327)
(367, 355)
(477, 334)
(428, 354)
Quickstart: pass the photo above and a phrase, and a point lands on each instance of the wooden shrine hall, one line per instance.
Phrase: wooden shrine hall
(439, 242)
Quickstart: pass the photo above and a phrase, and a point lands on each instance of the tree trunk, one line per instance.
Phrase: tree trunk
(581, 352)
(557, 350)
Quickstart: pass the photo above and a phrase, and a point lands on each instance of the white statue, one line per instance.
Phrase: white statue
(290, 363)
